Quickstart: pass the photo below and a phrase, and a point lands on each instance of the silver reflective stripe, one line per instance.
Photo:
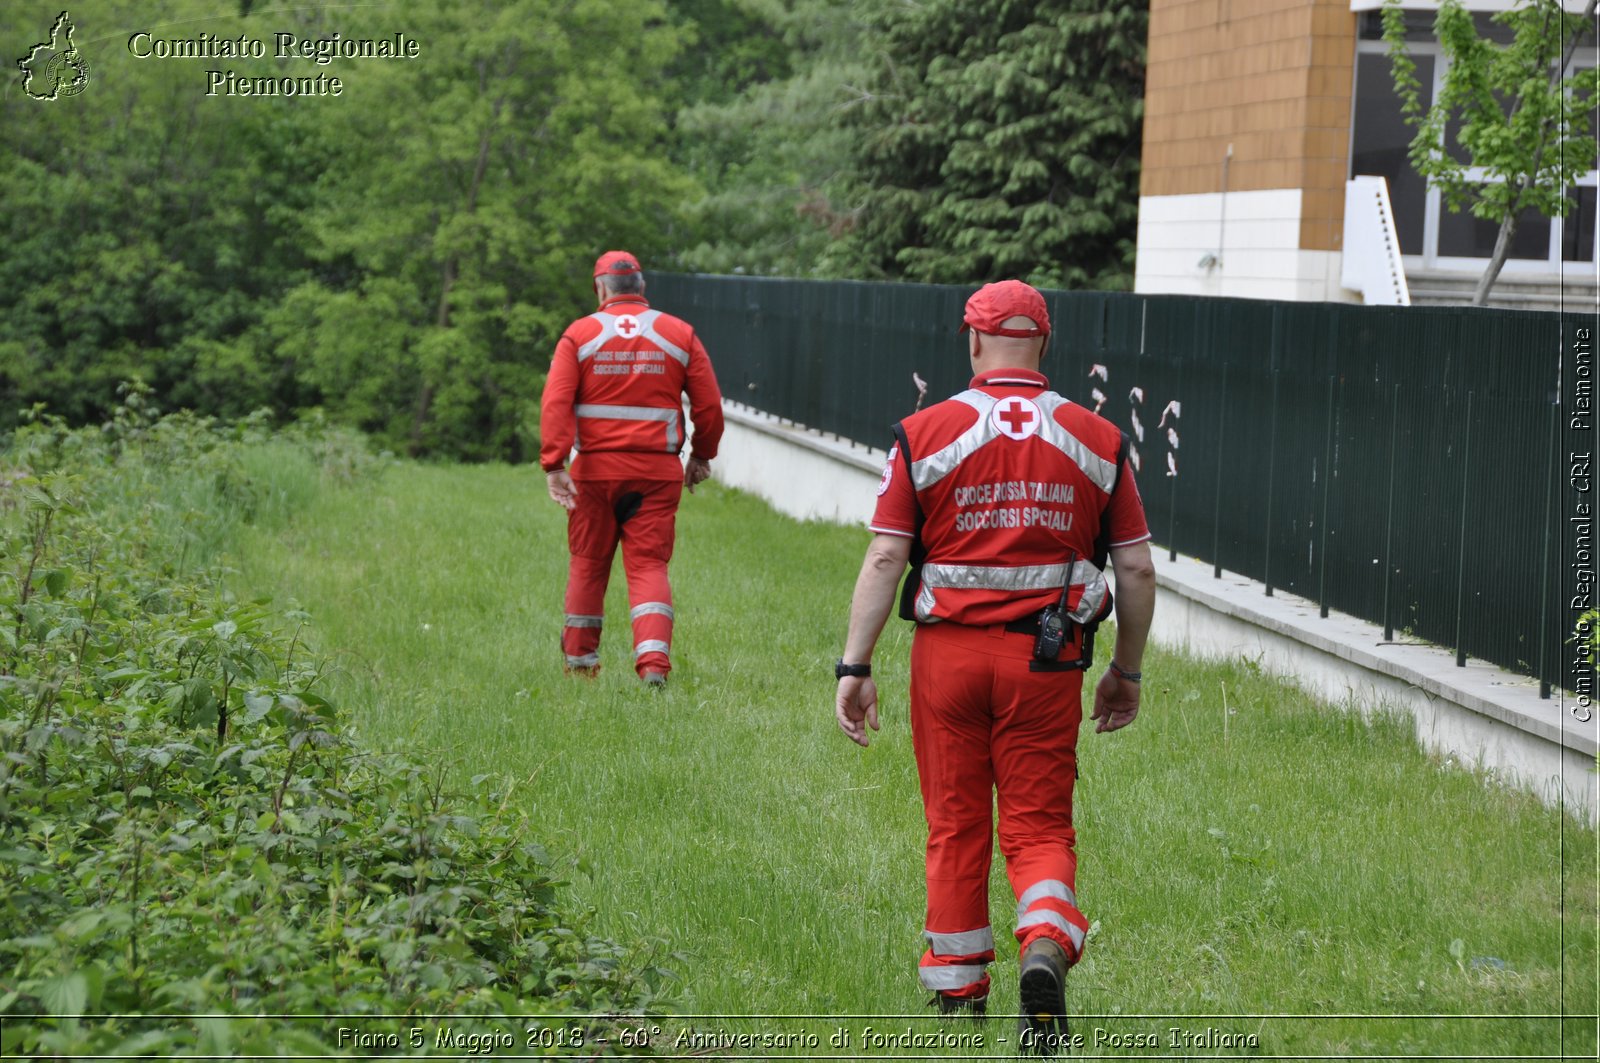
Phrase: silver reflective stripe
(995, 577)
(1094, 591)
(608, 331)
(646, 319)
(1102, 473)
(925, 472)
(648, 608)
(966, 943)
(1049, 887)
(628, 413)
(673, 351)
(650, 646)
(588, 660)
(670, 415)
(584, 621)
(1018, 578)
(948, 978)
(1046, 917)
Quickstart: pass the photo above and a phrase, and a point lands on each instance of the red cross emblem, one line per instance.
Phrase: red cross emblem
(1016, 417)
(627, 326)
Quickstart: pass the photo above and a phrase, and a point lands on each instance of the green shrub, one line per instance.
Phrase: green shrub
(187, 827)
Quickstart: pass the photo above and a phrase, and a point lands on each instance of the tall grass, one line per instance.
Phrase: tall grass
(1293, 863)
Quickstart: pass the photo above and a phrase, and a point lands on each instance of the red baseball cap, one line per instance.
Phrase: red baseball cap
(992, 304)
(616, 263)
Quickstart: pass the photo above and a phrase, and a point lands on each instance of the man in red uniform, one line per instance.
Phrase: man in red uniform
(615, 391)
(1007, 499)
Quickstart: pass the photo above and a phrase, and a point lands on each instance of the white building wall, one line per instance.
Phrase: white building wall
(1253, 237)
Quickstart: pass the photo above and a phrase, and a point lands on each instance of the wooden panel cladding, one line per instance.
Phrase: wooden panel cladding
(1272, 78)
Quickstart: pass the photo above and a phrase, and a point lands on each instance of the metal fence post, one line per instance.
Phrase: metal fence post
(1461, 556)
(1272, 446)
(1544, 561)
(1327, 482)
(1216, 508)
(1272, 475)
(1388, 524)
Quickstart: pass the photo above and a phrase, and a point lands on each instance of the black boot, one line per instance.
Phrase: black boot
(977, 1007)
(1043, 1031)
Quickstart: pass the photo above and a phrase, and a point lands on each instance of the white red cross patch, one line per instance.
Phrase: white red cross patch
(1016, 417)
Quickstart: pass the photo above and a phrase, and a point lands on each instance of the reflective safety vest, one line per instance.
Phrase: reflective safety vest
(1012, 484)
(630, 348)
(616, 389)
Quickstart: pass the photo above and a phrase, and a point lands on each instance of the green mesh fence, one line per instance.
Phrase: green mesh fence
(1406, 465)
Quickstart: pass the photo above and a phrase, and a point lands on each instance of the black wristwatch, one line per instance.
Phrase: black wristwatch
(840, 669)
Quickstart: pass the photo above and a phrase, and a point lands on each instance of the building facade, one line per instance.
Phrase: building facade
(1258, 116)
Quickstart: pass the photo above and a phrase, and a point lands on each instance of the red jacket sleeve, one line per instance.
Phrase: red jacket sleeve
(558, 424)
(705, 403)
(1124, 514)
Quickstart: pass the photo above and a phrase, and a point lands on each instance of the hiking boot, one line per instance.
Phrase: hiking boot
(1043, 1030)
(582, 671)
(977, 1007)
(655, 680)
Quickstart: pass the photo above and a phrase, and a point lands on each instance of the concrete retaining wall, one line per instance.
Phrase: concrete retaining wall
(1482, 717)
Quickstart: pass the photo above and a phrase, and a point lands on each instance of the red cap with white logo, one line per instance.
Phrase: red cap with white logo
(993, 304)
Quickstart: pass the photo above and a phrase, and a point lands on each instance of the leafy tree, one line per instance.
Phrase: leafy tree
(404, 255)
(145, 229)
(461, 215)
(1001, 138)
(775, 156)
(1524, 126)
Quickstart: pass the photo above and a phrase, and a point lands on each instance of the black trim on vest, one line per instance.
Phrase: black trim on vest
(919, 553)
(1102, 550)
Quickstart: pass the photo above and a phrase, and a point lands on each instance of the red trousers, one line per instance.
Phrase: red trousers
(982, 723)
(641, 514)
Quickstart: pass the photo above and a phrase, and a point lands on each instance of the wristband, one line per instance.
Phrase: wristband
(1132, 677)
(840, 669)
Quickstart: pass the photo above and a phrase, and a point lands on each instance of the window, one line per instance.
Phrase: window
(1382, 141)
(1429, 231)
(1577, 228)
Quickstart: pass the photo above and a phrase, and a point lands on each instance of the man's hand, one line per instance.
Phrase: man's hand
(856, 704)
(694, 471)
(1116, 702)
(562, 490)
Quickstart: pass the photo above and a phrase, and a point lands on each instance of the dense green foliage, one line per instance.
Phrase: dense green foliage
(187, 826)
(405, 255)
(1002, 139)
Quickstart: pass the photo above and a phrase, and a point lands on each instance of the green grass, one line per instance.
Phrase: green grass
(1305, 864)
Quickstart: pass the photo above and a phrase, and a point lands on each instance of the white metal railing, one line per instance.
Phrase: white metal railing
(1371, 263)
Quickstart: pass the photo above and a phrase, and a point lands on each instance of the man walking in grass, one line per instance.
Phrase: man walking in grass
(615, 391)
(1007, 500)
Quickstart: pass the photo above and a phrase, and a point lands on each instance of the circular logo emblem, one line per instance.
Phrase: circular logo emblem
(1016, 417)
(888, 469)
(68, 72)
(628, 326)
